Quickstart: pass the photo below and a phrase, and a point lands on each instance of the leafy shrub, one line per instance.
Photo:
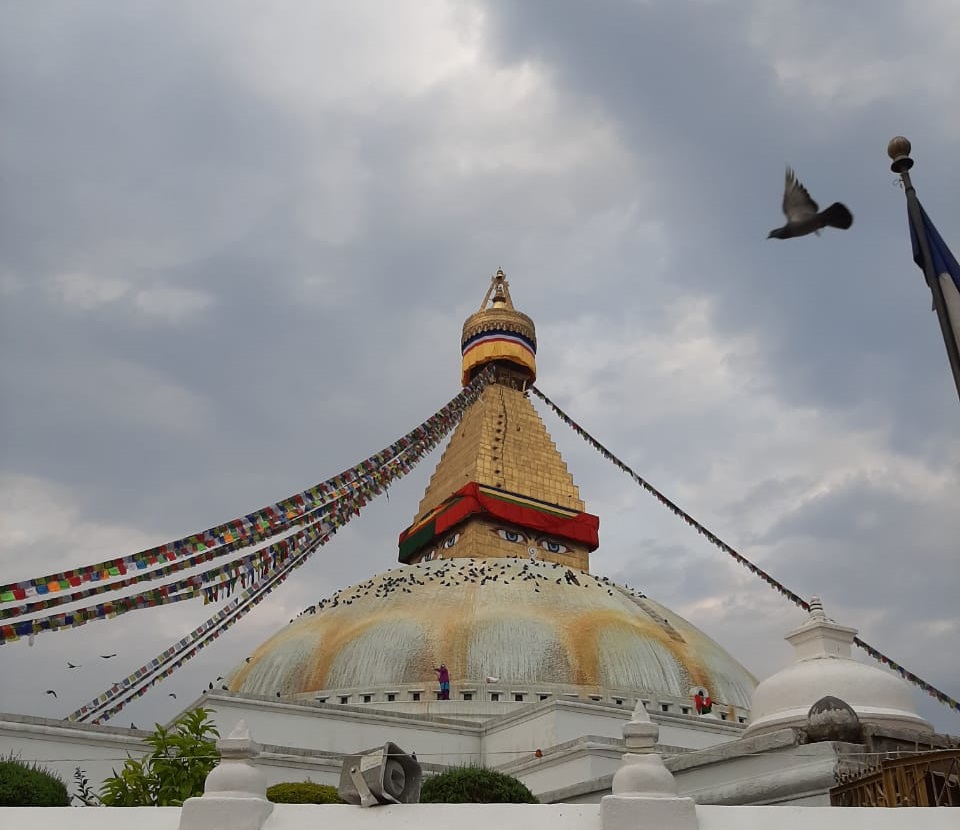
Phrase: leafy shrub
(84, 794)
(475, 785)
(174, 771)
(303, 792)
(30, 785)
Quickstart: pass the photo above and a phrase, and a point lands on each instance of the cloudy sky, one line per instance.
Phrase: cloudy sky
(238, 241)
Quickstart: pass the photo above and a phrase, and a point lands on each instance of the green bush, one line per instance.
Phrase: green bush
(175, 770)
(475, 785)
(30, 785)
(303, 792)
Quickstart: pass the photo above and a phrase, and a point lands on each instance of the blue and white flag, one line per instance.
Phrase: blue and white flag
(945, 268)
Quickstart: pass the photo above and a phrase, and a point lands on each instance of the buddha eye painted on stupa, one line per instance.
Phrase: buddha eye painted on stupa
(445, 544)
(509, 534)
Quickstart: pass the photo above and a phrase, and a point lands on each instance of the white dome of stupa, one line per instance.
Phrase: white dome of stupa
(824, 666)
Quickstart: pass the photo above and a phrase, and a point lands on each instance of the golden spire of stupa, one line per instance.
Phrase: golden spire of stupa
(501, 488)
(499, 334)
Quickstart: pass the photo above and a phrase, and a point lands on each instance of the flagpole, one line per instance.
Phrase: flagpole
(899, 151)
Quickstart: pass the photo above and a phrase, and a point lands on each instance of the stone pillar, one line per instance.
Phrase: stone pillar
(644, 791)
(235, 792)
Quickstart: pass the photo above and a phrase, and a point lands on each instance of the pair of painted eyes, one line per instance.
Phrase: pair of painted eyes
(516, 537)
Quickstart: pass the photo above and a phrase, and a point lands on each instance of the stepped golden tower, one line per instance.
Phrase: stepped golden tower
(501, 488)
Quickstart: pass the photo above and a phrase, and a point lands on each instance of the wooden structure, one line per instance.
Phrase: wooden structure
(930, 779)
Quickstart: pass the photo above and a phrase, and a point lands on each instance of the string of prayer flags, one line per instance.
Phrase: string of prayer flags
(373, 482)
(779, 587)
(132, 687)
(263, 520)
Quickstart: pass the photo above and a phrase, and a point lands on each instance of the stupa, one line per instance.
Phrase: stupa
(496, 582)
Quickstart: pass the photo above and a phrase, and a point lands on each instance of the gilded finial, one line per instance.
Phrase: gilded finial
(500, 334)
(899, 151)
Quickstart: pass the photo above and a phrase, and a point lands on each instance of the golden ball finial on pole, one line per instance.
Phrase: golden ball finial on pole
(899, 151)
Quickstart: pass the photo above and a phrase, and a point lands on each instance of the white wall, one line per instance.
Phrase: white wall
(765, 769)
(585, 762)
(485, 816)
(62, 747)
(346, 729)
(322, 730)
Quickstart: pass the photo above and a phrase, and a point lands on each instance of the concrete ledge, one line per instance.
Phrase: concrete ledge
(366, 712)
(733, 749)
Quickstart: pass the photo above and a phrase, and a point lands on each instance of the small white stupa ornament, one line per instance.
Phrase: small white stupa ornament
(824, 666)
(644, 792)
(235, 792)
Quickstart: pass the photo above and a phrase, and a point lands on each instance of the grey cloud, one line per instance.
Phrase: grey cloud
(685, 83)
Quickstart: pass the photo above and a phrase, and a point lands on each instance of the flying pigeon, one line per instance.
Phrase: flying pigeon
(173, 695)
(491, 679)
(72, 665)
(51, 692)
(804, 215)
(108, 656)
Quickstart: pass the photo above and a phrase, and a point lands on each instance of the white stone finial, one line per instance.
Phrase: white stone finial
(642, 771)
(816, 609)
(240, 731)
(235, 792)
(644, 792)
(238, 745)
(640, 733)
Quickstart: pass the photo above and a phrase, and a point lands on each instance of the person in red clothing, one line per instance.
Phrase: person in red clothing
(443, 676)
(702, 701)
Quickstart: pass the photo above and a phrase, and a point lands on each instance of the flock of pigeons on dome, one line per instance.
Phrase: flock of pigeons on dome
(453, 572)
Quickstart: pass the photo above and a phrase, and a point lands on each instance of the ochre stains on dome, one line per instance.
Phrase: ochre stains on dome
(525, 622)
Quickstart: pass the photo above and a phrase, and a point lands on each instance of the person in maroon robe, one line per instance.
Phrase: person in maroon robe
(443, 676)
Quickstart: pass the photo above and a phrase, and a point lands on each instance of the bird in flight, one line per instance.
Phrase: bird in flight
(108, 656)
(173, 695)
(51, 692)
(804, 215)
(72, 665)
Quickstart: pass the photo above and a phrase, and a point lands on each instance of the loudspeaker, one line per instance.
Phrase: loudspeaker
(384, 776)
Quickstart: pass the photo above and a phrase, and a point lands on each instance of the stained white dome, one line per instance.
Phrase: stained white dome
(824, 666)
(525, 622)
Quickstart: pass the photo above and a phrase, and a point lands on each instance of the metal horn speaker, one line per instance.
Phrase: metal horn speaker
(384, 776)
